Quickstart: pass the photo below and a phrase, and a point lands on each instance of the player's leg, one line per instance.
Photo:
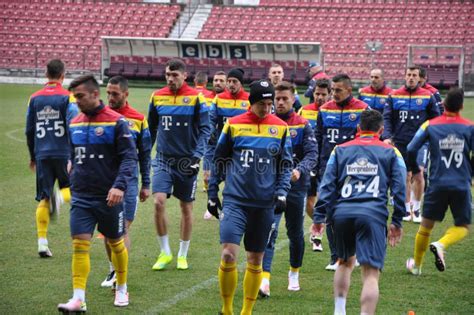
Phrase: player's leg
(345, 243)
(44, 186)
(82, 225)
(63, 194)
(333, 263)
(419, 183)
(162, 184)
(294, 217)
(232, 228)
(370, 289)
(402, 148)
(459, 202)
(256, 236)
(264, 290)
(315, 240)
(184, 188)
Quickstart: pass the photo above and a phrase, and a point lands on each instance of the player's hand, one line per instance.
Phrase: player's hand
(388, 141)
(317, 228)
(69, 166)
(114, 197)
(193, 168)
(32, 166)
(394, 235)
(213, 206)
(295, 175)
(280, 204)
(144, 194)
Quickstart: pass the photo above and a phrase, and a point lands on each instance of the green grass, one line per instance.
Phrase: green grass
(32, 285)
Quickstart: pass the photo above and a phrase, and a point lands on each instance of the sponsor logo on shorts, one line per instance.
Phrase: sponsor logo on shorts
(362, 166)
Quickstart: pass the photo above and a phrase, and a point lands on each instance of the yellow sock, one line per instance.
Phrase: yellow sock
(120, 261)
(453, 235)
(294, 269)
(252, 280)
(206, 184)
(81, 264)
(266, 275)
(227, 284)
(66, 194)
(422, 241)
(42, 218)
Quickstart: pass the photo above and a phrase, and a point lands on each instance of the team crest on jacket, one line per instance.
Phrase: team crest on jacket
(352, 116)
(293, 133)
(130, 124)
(362, 166)
(99, 131)
(419, 101)
(273, 131)
(243, 104)
(382, 101)
(186, 100)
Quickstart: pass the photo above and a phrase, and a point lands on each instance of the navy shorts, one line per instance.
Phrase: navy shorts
(168, 179)
(402, 147)
(47, 172)
(253, 224)
(363, 237)
(422, 157)
(86, 213)
(437, 201)
(130, 200)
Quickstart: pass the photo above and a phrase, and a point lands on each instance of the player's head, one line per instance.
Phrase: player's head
(284, 97)
(341, 87)
(275, 74)
(55, 70)
(86, 90)
(423, 76)
(261, 97)
(322, 91)
(314, 67)
(219, 81)
(117, 91)
(175, 74)
(454, 100)
(376, 79)
(412, 76)
(235, 77)
(371, 120)
(200, 79)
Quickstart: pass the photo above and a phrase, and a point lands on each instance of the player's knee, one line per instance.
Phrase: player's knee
(228, 256)
(159, 203)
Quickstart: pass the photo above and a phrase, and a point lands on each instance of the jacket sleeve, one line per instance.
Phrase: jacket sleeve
(144, 153)
(398, 187)
(30, 130)
(309, 91)
(153, 120)
(127, 154)
(222, 156)
(213, 122)
(297, 104)
(310, 151)
(328, 191)
(433, 108)
(72, 110)
(285, 166)
(414, 146)
(319, 134)
(387, 119)
(439, 102)
(203, 126)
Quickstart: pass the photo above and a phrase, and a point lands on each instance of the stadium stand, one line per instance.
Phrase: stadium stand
(343, 28)
(33, 32)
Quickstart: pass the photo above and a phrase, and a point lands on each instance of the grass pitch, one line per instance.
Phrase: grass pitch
(30, 285)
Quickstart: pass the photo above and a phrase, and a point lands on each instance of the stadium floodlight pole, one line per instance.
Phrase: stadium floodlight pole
(373, 47)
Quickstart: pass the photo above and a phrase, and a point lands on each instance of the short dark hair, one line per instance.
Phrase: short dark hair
(118, 79)
(344, 78)
(201, 77)
(220, 73)
(176, 64)
(284, 86)
(55, 69)
(413, 67)
(88, 80)
(371, 120)
(423, 73)
(454, 100)
(323, 84)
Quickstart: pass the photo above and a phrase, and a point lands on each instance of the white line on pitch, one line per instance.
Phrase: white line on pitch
(10, 135)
